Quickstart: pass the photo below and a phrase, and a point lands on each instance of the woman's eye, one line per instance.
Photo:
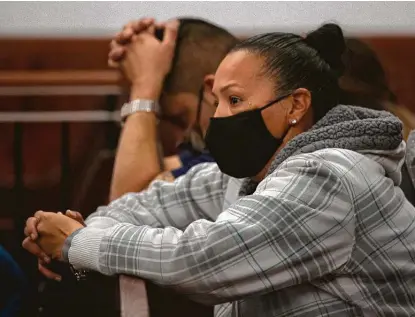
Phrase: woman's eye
(234, 100)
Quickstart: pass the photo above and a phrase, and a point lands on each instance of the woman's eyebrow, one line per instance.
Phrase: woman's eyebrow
(226, 87)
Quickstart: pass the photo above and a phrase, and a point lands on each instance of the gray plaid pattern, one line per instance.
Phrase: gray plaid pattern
(327, 233)
(410, 155)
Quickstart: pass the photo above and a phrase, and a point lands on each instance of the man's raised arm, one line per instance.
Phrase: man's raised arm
(145, 62)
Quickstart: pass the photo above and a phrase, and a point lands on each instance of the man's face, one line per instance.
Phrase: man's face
(178, 117)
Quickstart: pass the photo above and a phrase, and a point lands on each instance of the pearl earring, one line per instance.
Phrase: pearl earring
(293, 121)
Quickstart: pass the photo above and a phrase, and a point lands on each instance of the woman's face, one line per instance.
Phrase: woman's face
(240, 86)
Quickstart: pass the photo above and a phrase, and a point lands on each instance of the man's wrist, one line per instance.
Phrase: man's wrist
(140, 116)
(150, 89)
(140, 108)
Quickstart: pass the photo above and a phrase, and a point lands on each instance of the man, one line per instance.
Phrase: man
(179, 76)
(176, 68)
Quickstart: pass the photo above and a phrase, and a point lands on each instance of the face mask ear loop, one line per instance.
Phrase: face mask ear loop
(274, 102)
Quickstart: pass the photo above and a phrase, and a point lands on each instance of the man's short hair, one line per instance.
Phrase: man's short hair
(200, 48)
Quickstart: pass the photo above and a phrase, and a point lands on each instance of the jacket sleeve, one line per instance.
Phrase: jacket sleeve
(198, 194)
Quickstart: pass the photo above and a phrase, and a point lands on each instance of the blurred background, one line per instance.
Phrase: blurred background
(53, 57)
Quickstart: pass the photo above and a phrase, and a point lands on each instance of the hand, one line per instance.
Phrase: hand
(148, 60)
(75, 216)
(30, 245)
(53, 230)
(117, 45)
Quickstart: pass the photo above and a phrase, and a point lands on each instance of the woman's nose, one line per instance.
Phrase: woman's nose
(221, 111)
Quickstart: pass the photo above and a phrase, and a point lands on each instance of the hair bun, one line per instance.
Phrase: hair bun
(329, 42)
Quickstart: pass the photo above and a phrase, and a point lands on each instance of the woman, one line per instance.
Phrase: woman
(317, 227)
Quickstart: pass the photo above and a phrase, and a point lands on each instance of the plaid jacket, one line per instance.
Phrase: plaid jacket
(410, 156)
(327, 233)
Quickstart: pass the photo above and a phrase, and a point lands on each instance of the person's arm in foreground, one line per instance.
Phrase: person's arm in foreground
(297, 226)
(146, 62)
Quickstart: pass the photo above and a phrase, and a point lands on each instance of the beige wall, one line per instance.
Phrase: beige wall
(103, 18)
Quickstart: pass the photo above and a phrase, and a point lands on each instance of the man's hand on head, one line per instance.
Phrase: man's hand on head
(117, 45)
(144, 59)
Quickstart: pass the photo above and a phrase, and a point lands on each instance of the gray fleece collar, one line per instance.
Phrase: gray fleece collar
(345, 127)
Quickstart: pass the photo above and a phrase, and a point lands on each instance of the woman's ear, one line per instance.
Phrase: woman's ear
(301, 104)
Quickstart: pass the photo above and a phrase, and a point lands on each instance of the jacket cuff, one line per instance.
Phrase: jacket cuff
(83, 252)
(67, 245)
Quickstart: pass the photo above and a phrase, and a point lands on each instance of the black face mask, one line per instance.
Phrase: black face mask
(241, 144)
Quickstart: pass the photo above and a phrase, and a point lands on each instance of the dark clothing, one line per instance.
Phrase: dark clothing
(190, 159)
(13, 285)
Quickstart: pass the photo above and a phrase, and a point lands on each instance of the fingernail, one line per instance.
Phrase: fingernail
(46, 259)
(58, 279)
(33, 236)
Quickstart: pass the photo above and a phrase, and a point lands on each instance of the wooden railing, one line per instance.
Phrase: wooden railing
(133, 297)
(59, 78)
(66, 82)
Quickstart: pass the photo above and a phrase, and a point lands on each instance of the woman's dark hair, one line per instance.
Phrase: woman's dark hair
(313, 62)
